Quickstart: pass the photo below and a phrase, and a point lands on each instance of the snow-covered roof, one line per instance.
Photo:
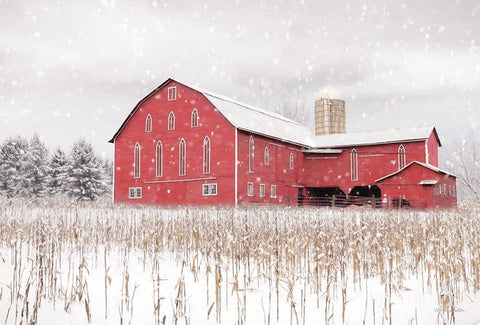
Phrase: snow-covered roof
(329, 92)
(315, 150)
(431, 167)
(253, 119)
(373, 137)
(256, 120)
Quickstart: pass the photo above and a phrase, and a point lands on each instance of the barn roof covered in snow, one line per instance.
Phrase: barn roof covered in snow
(253, 119)
(259, 121)
(431, 167)
(375, 137)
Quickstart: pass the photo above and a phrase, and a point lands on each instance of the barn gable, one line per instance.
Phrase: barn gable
(430, 167)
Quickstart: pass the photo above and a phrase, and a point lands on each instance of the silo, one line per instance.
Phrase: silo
(329, 111)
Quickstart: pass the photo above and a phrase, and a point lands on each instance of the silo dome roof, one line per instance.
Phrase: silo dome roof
(329, 92)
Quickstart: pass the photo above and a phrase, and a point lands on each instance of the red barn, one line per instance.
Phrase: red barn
(182, 145)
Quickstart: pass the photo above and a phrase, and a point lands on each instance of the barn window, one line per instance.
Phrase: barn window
(209, 189)
(194, 118)
(171, 121)
(262, 190)
(172, 93)
(266, 157)
(273, 191)
(291, 160)
(251, 154)
(354, 165)
(136, 161)
(182, 158)
(134, 192)
(206, 155)
(250, 189)
(401, 157)
(159, 159)
(148, 123)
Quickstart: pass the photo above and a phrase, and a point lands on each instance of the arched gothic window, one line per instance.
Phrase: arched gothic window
(171, 121)
(159, 159)
(251, 154)
(291, 160)
(266, 157)
(401, 157)
(182, 157)
(148, 123)
(354, 165)
(136, 161)
(206, 155)
(194, 118)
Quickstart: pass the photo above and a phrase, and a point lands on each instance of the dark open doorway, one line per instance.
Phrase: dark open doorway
(369, 194)
(325, 196)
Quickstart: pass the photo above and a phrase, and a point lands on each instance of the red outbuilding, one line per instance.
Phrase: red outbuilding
(182, 145)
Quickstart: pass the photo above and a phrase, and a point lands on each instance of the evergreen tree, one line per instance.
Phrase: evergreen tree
(86, 177)
(13, 164)
(58, 172)
(37, 170)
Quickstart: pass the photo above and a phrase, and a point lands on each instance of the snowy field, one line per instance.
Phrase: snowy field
(245, 266)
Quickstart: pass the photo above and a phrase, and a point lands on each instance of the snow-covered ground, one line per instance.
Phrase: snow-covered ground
(208, 266)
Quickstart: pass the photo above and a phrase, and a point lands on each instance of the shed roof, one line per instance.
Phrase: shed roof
(431, 167)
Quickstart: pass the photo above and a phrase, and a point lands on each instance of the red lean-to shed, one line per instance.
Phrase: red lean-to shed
(182, 145)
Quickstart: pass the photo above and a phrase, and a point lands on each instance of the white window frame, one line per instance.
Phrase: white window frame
(206, 155)
(182, 157)
(291, 161)
(249, 189)
(273, 191)
(211, 189)
(172, 93)
(134, 192)
(262, 190)
(171, 121)
(159, 159)
(402, 157)
(136, 160)
(266, 156)
(194, 119)
(354, 165)
(148, 123)
(251, 154)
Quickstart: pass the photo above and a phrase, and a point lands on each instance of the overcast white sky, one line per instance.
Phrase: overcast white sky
(71, 69)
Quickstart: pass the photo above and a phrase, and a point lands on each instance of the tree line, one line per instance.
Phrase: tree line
(28, 170)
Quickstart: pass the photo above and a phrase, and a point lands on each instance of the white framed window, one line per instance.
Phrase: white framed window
(251, 154)
(172, 93)
(194, 119)
(206, 155)
(136, 161)
(291, 160)
(262, 190)
(209, 189)
(148, 123)
(401, 157)
(159, 159)
(171, 121)
(273, 191)
(450, 190)
(250, 189)
(440, 189)
(454, 190)
(266, 157)
(182, 157)
(354, 165)
(134, 192)
(444, 189)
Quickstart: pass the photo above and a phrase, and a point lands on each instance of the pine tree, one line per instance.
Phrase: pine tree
(58, 172)
(37, 170)
(13, 165)
(86, 178)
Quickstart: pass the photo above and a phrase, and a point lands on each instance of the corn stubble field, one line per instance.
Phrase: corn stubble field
(124, 265)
